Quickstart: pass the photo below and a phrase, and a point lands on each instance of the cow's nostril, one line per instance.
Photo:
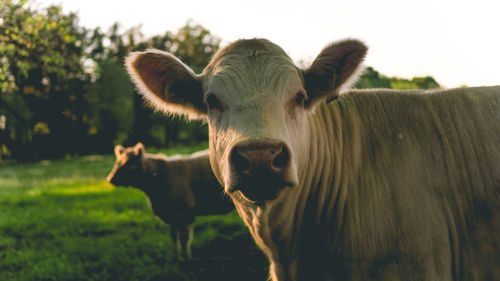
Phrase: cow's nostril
(260, 158)
(240, 162)
(280, 161)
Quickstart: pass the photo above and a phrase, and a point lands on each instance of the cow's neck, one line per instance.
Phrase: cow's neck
(335, 150)
(314, 210)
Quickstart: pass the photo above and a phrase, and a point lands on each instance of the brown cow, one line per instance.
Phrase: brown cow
(374, 185)
(178, 188)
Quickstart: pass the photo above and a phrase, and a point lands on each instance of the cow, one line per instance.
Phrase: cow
(178, 188)
(338, 184)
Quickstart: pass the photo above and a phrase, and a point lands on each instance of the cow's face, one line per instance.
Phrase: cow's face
(128, 169)
(256, 102)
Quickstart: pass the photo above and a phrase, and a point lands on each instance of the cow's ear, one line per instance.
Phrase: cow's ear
(119, 150)
(167, 83)
(333, 69)
(139, 149)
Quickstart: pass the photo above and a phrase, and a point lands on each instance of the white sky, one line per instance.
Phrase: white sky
(455, 41)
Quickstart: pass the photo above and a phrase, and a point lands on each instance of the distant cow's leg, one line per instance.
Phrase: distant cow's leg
(186, 236)
(175, 234)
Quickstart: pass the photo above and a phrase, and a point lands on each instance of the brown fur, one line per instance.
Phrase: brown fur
(178, 188)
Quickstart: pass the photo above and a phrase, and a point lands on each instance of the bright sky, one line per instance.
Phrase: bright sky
(455, 41)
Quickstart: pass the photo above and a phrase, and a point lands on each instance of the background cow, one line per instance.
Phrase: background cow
(178, 187)
(374, 185)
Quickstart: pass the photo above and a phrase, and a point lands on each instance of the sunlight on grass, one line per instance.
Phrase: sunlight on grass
(62, 186)
(95, 188)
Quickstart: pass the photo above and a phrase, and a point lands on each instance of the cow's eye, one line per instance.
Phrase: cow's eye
(213, 102)
(301, 98)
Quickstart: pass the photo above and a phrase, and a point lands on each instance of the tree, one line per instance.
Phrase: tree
(193, 44)
(110, 98)
(426, 82)
(372, 79)
(45, 72)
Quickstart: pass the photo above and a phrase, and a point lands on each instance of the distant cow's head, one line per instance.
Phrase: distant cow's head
(128, 169)
(256, 102)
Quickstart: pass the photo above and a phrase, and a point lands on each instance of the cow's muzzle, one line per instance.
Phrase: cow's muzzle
(259, 169)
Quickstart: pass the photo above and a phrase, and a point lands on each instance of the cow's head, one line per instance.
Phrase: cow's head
(255, 101)
(129, 168)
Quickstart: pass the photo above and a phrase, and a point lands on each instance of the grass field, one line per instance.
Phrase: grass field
(60, 220)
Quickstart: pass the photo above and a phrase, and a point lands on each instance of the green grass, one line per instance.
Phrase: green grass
(60, 220)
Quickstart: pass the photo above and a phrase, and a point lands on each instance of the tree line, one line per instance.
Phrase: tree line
(64, 89)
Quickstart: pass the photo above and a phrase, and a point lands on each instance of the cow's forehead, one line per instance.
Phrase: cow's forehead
(126, 155)
(247, 49)
(251, 67)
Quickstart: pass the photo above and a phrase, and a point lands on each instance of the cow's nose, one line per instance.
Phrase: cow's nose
(268, 157)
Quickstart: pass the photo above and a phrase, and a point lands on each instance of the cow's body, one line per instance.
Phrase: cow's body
(179, 188)
(409, 190)
(375, 185)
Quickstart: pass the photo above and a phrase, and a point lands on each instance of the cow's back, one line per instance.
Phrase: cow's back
(422, 199)
(399, 186)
